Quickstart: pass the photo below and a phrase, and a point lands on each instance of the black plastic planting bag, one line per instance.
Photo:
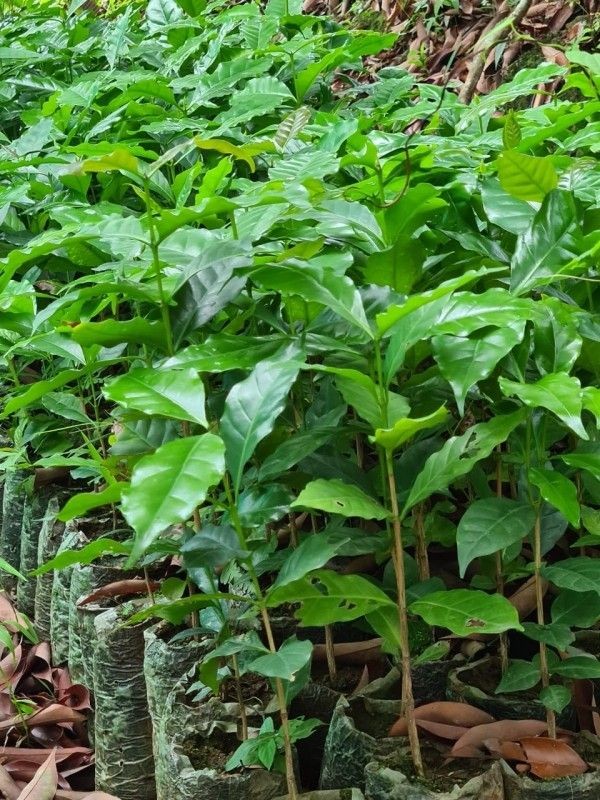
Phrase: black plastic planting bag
(72, 539)
(123, 728)
(86, 578)
(50, 538)
(385, 783)
(34, 512)
(195, 735)
(165, 664)
(13, 503)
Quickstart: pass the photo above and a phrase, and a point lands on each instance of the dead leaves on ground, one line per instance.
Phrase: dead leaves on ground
(471, 733)
(42, 717)
(44, 785)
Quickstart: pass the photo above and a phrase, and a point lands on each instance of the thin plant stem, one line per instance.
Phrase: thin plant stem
(164, 308)
(539, 596)
(421, 553)
(499, 571)
(408, 700)
(240, 696)
(330, 653)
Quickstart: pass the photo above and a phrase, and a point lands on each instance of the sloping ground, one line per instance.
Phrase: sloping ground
(474, 43)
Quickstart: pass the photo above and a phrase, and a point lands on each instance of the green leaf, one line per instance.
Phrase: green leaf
(519, 676)
(175, 394)
(464, 361)
(119, 159)
(558, 392)
(526, 177)
(464, 611)
(38, 390)
(576, 609)
(405, 428)
(502, 209)
(394, 313)
(556, 698)
(587, 461)
(168, 485)
(110, 332)
(316, 284)
(292, 451)
(490, 525)
(326, 597)
(80, 504)
(581, 574)
(363, 394)
(548, 246)
(558, 491)
(385, 622)
(214, 546)
(577, 667)
(178, 611)
(259, 505)
(459, 455)
(87, 554)
(553, 634)
(511, 132)
(6, 567)
(336, 497)
(222, 352)
(286, 663)
(313, 553)
(65, 405)
(252, 408)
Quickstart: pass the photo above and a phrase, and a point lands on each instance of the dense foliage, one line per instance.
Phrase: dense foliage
(277, 314)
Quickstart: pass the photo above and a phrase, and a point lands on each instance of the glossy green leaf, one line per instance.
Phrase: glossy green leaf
(313, 553)
(213, 546)
(37, 391)
(316, 284)
(111, 332)
(178, 394)
(550, 244)
(519, 676)
(577, 667)
(326, 597)
(580, 574)
(286, 663)
(223, 352)
(406, 427)
(558, 491)
(556, 698)
(586, 461)
(336, 497)
(464, 361)
(168, 485)
(558, 392)
(526, 177)
(88, 554)
(490, 525)
(553, 634)
(80, 504)
(252, 408)
(576, 609)
(464, 611)
(458, 456)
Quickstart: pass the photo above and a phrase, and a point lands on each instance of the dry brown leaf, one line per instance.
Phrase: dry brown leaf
(53, 713)
(125, 588)
(8, 787)
(351, 652)
(44, 783)
(524, 599)
(471, 745)
(450, 733)
(550, 758)
(448, 713)
(509, 751)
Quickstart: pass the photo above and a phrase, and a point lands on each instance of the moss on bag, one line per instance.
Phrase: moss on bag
(50, 538)
(13, 503)
(200, 738)
(34, 512)
(123, 728)
(165, 664)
